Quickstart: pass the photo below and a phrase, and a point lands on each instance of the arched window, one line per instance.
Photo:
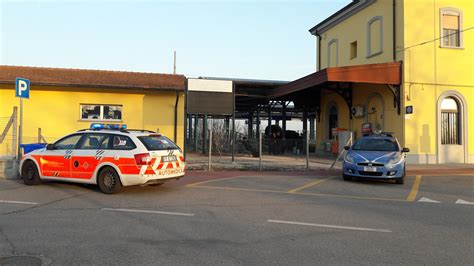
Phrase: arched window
(374, 36)
(332, 53)
(450, 121)
(451, 25)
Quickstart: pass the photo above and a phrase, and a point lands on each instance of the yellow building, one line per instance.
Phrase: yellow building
(428, 44)
(65, 100)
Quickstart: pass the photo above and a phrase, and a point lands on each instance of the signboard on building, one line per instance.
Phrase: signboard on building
(367, 128)
(22, 88)
(210, 97)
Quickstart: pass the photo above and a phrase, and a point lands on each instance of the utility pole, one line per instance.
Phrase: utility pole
(174, 63)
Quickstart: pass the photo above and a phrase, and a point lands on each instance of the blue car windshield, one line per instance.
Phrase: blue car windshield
(375, 145)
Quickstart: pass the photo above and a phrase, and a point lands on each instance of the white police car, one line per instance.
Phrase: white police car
(110, 156)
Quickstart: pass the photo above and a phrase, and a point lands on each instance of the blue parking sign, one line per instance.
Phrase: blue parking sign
(22, 88)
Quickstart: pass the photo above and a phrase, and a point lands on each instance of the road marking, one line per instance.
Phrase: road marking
(332, 226)
(428, 200)
(212, 180)
(460, 201)
(18, 202)
(148, 211)
(309, 185)
(446, 175)
(298, 193)
(414, 189)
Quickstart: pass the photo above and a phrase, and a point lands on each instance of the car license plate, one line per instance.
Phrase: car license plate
(370, 169)
(170, 158)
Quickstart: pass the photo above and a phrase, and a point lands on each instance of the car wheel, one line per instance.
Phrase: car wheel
(30, 174)
(347, 177)
(109, 181)
(400, 180)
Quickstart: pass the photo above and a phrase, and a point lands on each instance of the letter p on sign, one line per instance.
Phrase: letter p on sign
(22, 88)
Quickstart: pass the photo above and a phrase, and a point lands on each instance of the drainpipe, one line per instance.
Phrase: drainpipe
(319, 51)
(176, 117)
(394, 31)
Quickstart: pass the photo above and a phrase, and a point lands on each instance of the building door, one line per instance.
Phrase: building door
(375, 112)
(332, 120)
(451, 131)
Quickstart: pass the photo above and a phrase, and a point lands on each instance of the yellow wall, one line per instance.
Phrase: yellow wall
(430, 70)
(361, 95)
(56, 110)
(355, 29)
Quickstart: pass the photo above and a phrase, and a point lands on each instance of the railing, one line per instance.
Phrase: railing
(8, 137)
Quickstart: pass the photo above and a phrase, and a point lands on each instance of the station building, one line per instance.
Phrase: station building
(65, 100)
(401, 66)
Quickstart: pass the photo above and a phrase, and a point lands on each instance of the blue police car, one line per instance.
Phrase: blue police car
(377, 156)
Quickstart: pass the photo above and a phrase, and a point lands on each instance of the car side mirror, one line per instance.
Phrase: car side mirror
(346, 148)
(50, 146)
(405, 150)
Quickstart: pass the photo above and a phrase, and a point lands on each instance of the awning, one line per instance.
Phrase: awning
(384, 73)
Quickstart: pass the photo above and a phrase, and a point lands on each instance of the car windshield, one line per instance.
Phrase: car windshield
(376, 145)
(158, 143)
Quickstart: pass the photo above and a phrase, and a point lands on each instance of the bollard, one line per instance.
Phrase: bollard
(210, 148)
(260, 151)
(307, 150)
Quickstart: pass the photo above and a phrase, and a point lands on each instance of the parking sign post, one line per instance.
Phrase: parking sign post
(22, 90)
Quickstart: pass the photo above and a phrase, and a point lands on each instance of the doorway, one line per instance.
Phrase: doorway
(452, 146)
(332, 120)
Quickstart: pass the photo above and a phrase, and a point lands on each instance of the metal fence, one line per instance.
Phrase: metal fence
(8, 136)
(8, 145)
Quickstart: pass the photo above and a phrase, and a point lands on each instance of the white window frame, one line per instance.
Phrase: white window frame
(369, 49)
(455, 12)
(101, 116)
(329, 52)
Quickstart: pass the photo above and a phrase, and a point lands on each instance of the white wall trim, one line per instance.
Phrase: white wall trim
(369, 49)
(450, 11)
(421, 159)
(375, 95)
(464, 119)
(329, 52)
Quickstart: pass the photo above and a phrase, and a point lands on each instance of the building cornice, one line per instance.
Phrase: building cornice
(341, 15)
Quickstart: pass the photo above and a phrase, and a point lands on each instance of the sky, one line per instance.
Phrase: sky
(241, 39)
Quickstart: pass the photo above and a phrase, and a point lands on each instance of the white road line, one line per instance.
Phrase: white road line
(428, 200)
(18, 202)
(148, 211)
(460, 201)
(332, 226)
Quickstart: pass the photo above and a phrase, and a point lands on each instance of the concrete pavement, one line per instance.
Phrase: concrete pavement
(227, 218)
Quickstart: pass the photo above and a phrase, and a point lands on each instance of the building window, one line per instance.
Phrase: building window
(450, 127)
(353, 50)
(332, 53)
(374, 36)
(98, 112)
(451, 25)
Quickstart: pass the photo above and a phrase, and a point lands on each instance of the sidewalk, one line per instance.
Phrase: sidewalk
(198, 161)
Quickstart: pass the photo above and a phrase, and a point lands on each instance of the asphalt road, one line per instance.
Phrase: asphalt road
(244, 218)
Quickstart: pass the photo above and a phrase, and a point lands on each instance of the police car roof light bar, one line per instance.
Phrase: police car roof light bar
(100, 126)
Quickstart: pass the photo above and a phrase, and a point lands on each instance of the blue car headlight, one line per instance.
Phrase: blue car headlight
(394, 161)
(349, 158)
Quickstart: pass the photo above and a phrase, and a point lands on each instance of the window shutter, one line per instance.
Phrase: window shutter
(450, 22)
